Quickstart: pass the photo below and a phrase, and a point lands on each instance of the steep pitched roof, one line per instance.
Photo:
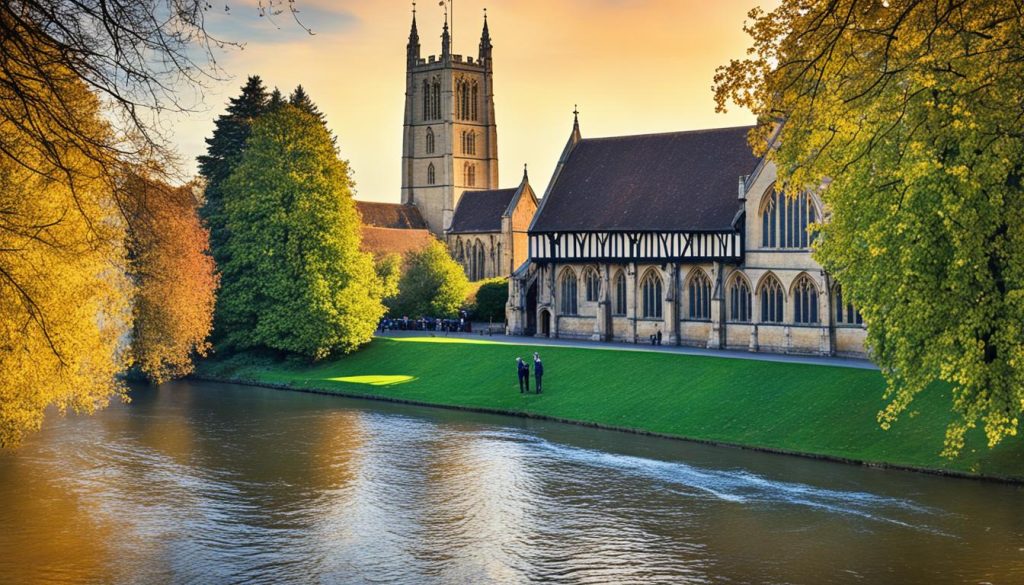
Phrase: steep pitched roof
(678, 181)
(381, 241)
(390, 215)
(481, 211)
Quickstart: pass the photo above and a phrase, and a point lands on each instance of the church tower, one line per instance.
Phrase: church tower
(450, 140)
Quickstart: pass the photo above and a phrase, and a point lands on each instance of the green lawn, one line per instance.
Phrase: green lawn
(795, 407)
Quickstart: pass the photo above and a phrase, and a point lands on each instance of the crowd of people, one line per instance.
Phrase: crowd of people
(460, 325)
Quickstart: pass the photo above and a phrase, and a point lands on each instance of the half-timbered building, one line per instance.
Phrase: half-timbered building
(680, 233)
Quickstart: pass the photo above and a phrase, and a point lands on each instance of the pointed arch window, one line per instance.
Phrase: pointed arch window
(470, 178)
(620, 293)
(740, 308)
(431, 178)
(651, 288)
(570, 302)
(430, 141)
(473, 101)
(848, 314)
(771, 301)
(805, 301)
(785, 221)
(593, 285)
(700, 296)
(435, 99)
(428, 112)
(481, 261)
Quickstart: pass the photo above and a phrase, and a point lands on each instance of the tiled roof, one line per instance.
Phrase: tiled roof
(381, 241)
(390, 215)
(679, 181)
(481, 211)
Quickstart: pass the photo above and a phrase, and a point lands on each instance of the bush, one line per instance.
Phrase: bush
(491, 298)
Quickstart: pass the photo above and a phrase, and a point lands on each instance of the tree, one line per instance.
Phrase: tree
(64, 298)
(175, 280)
(139, 57)
(389, 272)
(491, 298)
(907, 116)
(300, 99)
(223, 152)
(295, 280)
(433, 284)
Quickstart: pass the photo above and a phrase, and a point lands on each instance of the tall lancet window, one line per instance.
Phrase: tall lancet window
(431, 178)
(430, 141)
(473, 102)
(427, 110)
(470, 178)
(435, 99)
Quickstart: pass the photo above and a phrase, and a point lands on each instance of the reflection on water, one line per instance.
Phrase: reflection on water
(207, 483)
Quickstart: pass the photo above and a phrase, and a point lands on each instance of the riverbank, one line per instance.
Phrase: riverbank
(817, 410)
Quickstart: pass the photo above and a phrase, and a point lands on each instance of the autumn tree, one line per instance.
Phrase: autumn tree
(64, 298)
(907, 117)
(174, 276)
(296, 280)
(432, 284)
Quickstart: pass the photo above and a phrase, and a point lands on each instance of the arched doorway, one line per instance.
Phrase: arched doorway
(545, 323)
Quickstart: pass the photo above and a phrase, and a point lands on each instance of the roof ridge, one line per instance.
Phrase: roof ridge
(652, 134)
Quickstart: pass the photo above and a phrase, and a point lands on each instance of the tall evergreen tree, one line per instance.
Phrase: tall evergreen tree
(300, 99)
(295, 280)
(223, 151)
(276, 100)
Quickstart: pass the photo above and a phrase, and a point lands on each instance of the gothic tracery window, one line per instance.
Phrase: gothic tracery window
(739, 300)
(431, 178)
(651, 287)
(470, 172)
(430, 141)
(700, 296)
(805, 301)
(785, 221)
(570, 302)
(771, 300)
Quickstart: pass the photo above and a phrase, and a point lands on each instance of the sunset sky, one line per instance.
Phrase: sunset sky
(633, 66)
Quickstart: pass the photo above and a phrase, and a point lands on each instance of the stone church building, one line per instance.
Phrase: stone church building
(680, 233)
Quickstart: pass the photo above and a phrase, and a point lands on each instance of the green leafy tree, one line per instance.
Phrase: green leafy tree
(389, 272)
(491, 298)
(907, 117)
(433, 284)
(295, 280)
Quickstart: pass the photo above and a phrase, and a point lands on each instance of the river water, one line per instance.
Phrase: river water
(211, 483)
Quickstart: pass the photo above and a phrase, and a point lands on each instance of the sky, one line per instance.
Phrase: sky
(631, 66)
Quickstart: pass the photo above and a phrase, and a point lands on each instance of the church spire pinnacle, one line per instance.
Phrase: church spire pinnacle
(446, 39)
(413, 48)
(576, 120)
(485, 42)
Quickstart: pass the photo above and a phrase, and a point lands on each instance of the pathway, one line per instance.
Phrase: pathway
(682, 350)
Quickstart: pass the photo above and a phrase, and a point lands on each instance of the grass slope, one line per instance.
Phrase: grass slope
(813, 409)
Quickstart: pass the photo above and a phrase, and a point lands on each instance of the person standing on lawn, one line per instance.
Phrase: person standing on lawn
(524, 375)
(538, 370)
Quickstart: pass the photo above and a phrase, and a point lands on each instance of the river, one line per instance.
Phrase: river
(211, 483)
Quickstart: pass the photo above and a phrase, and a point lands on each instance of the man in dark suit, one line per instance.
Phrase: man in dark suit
(538, 370)
(524, 375)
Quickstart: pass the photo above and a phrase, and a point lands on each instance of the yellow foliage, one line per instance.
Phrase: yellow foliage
(64, 297)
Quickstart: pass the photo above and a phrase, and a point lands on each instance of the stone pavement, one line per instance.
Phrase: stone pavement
(682, 350)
